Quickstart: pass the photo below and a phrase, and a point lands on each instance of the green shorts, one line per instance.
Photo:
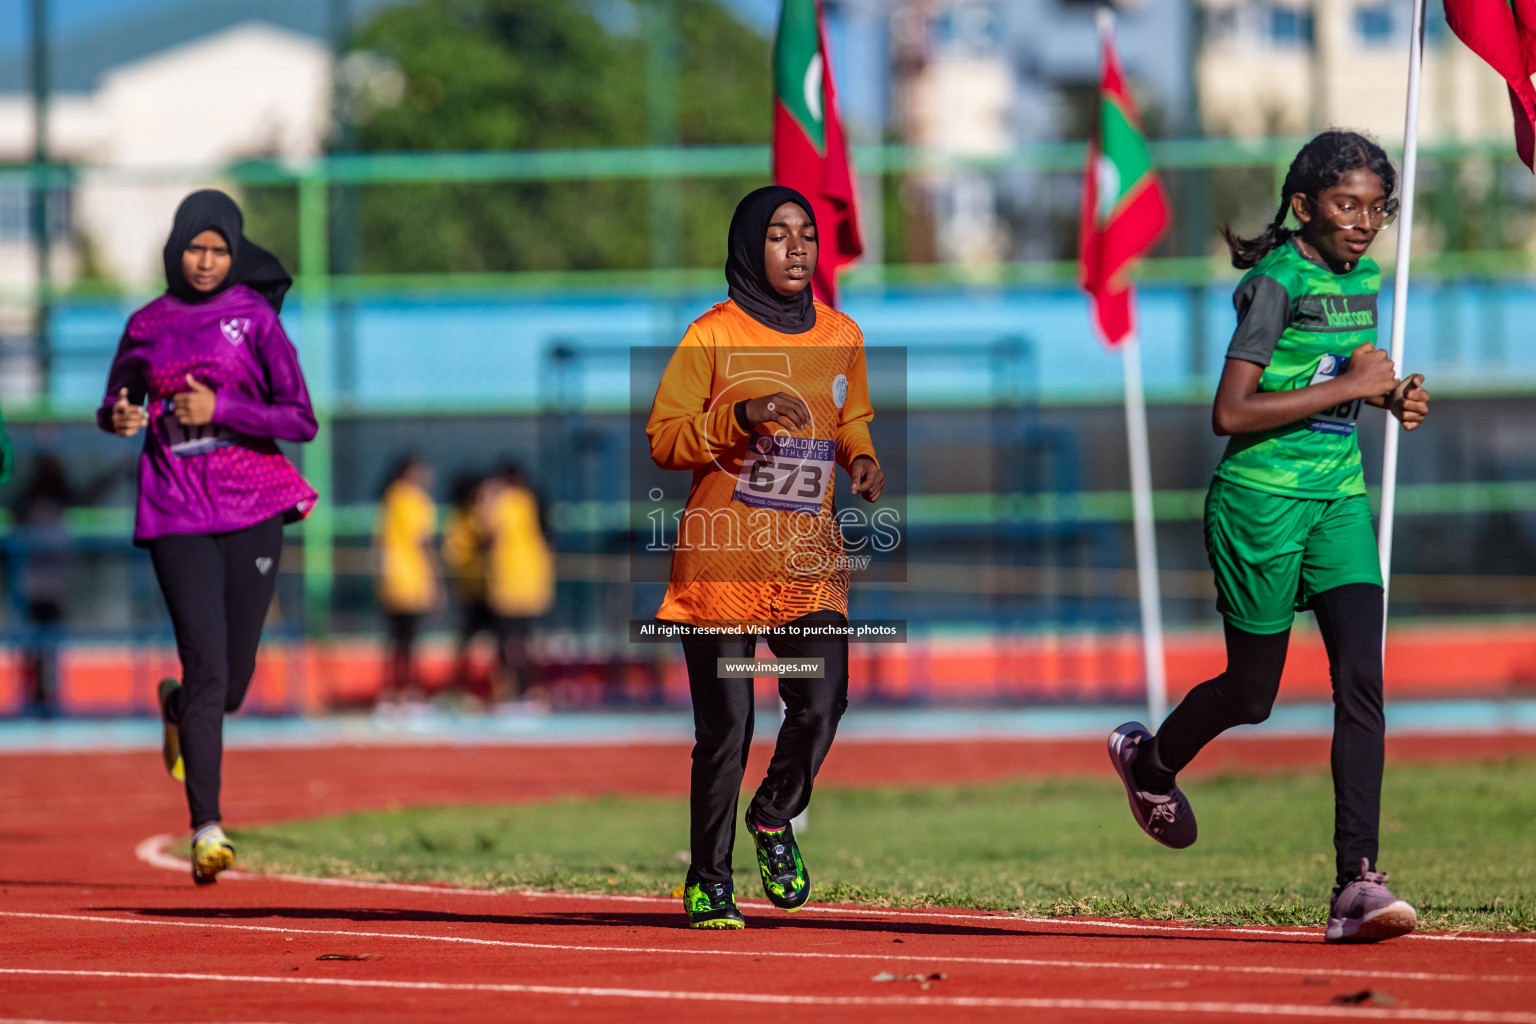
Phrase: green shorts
(1273, 554)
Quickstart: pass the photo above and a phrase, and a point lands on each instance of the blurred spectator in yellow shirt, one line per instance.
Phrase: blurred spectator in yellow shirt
(407, 578)
(520, 574)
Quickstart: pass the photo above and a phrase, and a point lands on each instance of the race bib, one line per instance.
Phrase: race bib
(1339, 419)
(791, 474)
(184, 442)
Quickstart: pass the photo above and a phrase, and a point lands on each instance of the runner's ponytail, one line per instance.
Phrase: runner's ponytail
(1246, 252)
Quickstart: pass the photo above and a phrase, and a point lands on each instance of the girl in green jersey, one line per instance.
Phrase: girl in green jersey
(1287, 523)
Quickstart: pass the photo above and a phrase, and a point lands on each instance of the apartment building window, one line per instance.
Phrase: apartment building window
(1375, 24)
(1220, 25)
(974, 28)
(16, 215)
(1289, 26)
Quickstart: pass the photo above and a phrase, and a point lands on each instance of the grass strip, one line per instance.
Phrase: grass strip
(1456, 838)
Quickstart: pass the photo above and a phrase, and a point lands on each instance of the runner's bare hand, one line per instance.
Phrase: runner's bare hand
(783, 409)
(868, 477)
(194, 408)
(127, 419)
(1409, 401)
(1371, 371)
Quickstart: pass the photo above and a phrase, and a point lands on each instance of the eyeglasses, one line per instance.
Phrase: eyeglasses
(1348, 214)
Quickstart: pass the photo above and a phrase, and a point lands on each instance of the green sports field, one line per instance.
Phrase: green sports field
(1458, 841)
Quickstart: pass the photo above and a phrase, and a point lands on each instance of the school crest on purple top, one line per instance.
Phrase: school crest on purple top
(235, 328)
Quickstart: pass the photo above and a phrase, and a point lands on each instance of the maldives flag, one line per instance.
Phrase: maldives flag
(1125, 210)
(1503, 33)
(810, 154)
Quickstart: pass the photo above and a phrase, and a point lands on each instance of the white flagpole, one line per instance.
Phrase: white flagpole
(1400, 297)
(1146, 534)
(1141, 495)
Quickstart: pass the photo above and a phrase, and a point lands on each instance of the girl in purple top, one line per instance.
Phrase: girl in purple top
(207, 373)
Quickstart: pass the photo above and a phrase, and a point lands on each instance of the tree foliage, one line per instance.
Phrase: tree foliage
(541, 74)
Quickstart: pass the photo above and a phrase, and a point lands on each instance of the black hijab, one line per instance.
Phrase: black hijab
(745, 272)
(250, 264)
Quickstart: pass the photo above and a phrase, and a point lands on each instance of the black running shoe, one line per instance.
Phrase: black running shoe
(785, 879)
(1166, 817)
(712, 905)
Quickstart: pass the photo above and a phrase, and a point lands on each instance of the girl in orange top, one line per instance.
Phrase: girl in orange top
(763, 399)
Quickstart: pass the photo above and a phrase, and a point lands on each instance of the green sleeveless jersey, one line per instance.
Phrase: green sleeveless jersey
(1300, 321)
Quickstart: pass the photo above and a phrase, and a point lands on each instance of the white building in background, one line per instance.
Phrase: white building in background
(955, 90)
(1272, 67)
(978, 78)
(249, 90)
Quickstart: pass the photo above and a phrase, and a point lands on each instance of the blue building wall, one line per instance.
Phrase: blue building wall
(453, 352)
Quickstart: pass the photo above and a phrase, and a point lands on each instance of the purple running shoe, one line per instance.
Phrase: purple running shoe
(1366, 911)
(1167, 818)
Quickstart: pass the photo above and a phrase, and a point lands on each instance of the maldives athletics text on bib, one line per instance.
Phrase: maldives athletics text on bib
(787, 473)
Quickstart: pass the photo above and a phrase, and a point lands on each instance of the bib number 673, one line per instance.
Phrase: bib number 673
(763, 478)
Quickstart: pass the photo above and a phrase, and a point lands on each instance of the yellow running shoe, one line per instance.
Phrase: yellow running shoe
(210, 855)
(170, 746)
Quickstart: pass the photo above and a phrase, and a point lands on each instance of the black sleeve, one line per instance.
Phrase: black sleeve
(1263, 311)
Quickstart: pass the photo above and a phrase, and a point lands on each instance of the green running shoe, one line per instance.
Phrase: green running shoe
(170, 745)
(712, 905)
(785, 879)
(211, 854)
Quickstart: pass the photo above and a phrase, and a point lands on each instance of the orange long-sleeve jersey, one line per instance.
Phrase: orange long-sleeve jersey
(758, 541)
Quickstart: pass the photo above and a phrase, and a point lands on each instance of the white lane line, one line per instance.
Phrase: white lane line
(1116, 965)
(152, 851)
(779, 999)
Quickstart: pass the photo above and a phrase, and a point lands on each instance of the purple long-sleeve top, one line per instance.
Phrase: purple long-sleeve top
(229, 474)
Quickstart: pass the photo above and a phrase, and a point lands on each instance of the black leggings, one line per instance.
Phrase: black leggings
(402, 628)
(512, 673)
(218, 588)
(1350, 619)
(722, 724)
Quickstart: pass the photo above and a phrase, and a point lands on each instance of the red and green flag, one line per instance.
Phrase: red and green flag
(1503, 33)
(1125, 209)
(810, 153)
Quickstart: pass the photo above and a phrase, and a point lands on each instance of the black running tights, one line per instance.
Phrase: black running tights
(722, 724)
(218, 587)
(1350, 619)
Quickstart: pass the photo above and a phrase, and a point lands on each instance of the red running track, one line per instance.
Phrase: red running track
(91, 929)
